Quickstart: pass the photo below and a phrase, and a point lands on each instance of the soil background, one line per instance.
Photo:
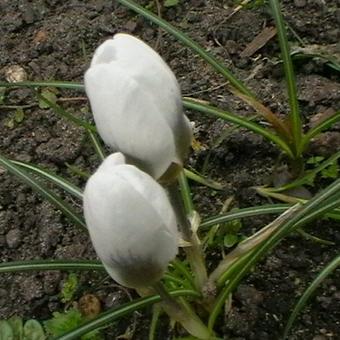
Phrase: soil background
(54, 40)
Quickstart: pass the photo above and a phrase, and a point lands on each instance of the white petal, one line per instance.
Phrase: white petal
(128, 119)
(131, 223)
(149, 70)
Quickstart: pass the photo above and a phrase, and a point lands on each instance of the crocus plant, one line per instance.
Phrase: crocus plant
(144, 235)
(136, 103)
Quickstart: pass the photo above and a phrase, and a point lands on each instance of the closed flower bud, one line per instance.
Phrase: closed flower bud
(131, 222)
(136, 103)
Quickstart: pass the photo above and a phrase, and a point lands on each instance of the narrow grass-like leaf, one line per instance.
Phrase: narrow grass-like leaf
(96, 144)
(156, 313)
(118, 312)
(24, 176)
(240, 121)
(35, 84)
(309, 291)
(251, 242)
(315, 239)
(39, 265)
(202, 180)
(320, 204)
(245, 212)
(181, 269)
(281, 128)
(187, 102)
(185, 40)
(232, 274)
(324, 125)
(51, 177)
(308, 175)
(335, 214)
(294, 114)
(59, 110)
(185, 193)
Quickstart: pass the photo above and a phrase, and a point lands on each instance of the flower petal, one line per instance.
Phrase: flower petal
(131, 223)
(128, 120)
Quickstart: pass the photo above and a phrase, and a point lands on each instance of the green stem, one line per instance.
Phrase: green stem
(194, 251)
(187, 318)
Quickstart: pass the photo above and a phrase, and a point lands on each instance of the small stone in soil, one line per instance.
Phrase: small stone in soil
(13, 238)
(114, 299)
(248, 295)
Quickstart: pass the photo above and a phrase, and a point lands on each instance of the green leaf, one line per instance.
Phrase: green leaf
(309, 291)
(185, 193)
(40, 188)
(63, 113)
(294, 112)
(244, 212)
(309, 176)
(33, 84)
(63, 322)
(19, 115)
(48, 94)
(10, 123)
(195, 176)
(115, 313)
(35, 265)
(170, 3)
(320, 204)
(185, 40)
(230, 240)
(52, 178)
(96, 144)
(6, 332)
(323, 125)
(33, 331)
(68, 321)
(195, 105)
(17, 327)
(69, 288)
(331, 172)
(315, 160)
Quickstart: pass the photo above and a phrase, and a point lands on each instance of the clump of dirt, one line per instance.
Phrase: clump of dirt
(53, 39)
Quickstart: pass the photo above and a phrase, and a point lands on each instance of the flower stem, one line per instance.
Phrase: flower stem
(194, 252)
(186, 317)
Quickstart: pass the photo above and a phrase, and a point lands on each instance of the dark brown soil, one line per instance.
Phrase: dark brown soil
(54, 40)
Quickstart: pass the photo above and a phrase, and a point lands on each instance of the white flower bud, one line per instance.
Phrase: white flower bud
(136, 103)
(131, 222)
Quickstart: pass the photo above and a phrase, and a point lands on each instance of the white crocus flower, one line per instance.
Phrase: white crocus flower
(131, 222)
(136, 103)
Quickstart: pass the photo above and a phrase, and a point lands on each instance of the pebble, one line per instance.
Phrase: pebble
(13, 238)
(114, 299)
(248, 295)
(15, 73)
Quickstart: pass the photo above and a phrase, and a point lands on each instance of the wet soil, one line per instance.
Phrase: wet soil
(54, 40)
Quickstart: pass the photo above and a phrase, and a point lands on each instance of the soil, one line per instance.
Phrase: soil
(54, 39)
